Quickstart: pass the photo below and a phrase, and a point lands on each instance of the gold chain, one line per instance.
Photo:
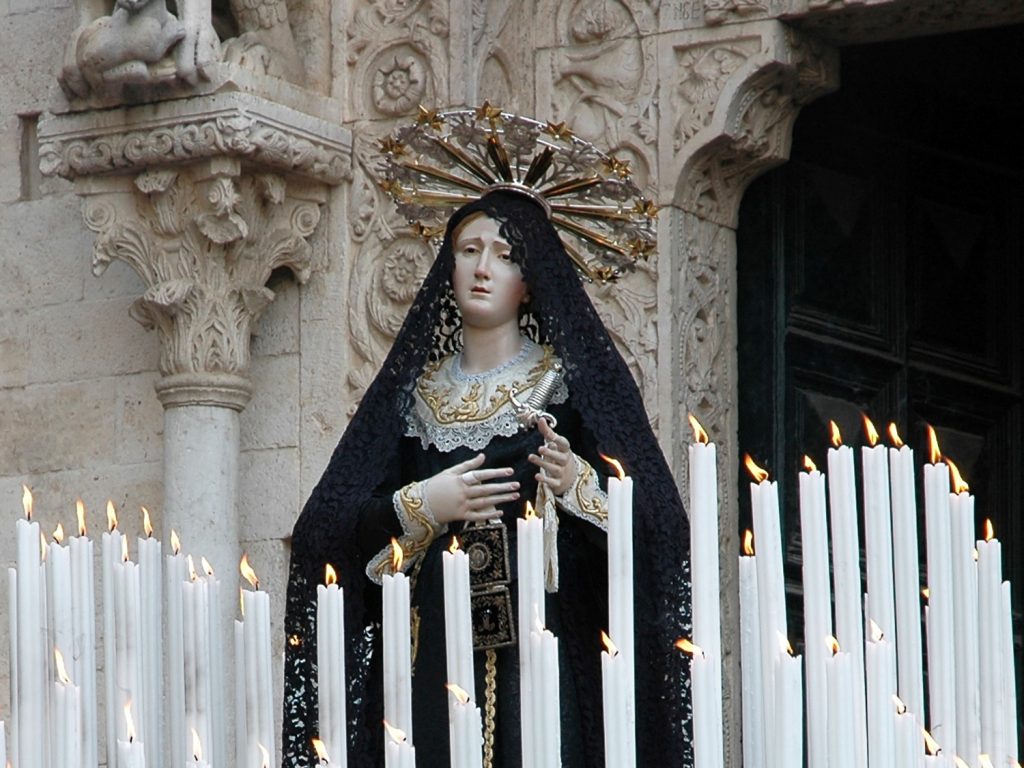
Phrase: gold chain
(490, 705)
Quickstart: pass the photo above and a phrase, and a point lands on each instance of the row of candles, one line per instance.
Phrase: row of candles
(848, 681)
(53, 666)
(864, 692)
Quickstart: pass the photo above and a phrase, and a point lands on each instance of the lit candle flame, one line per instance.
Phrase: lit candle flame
(608, 644)
(397, 734)
(124, 549)
(80, 513)
(809, 465)
(530, 513)
(959, 486)
(147, 524)
(895, 435)
(247, 572)
(926, 593)
(191, 568)
(833, 643)
(330, 575)
(26, 501)
(454, 546)
(699, 435)
(934, 453)
(870, 431)
(759, 474)
(974, 553)
(397, 556)
(62, 672)
(989, 530)
(901, 708)
(834, 435)
(207, 568)
(197, 746)
(111, 516)
(985, 761)
(876, 631)
(960, 762)
(129, 722)
(616, 465)
(685, 645)
(42, 546)
(748, 542)
(58, 533)
(175, 542)
(930, 743)
(460, 695)
(784, 644)
(264, 756)
(321, 751)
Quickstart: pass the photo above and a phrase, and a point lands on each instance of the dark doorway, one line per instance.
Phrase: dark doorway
(880, 272)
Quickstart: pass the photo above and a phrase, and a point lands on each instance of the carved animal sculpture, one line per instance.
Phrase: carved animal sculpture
(265, 43)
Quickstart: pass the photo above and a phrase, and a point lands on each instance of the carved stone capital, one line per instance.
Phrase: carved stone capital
(204, 238)
(243, 126)
(732, 98)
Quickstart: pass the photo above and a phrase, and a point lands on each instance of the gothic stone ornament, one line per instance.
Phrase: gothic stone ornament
(448, 158)
(204, 240)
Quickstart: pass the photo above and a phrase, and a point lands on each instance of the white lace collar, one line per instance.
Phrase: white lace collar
(453, 408)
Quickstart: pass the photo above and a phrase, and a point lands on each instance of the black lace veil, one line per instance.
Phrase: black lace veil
(604, 393)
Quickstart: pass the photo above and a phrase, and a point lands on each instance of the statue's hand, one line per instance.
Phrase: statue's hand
(555, 459)
(464, 492)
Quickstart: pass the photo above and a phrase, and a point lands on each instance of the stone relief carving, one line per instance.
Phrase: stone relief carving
(397, 55)
(139, 47)
(755, 109)
(204, 240)
(704, 70)
(226, 125)
(720, 11)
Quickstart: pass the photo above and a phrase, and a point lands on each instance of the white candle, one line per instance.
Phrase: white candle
(909, 741)
(397, 648)
(965, 622)
(66, 734)
(706, 581)
(750, 652)
(458, 621)
(612, 701)
(151, 636)
(788, 704)
(194, 606)
(906, 567)
(547, 713)
(881, 678)
(839, 670)
(466, 748)
(620, 590)
(530, 577)
(175, 576)
(12, 596)
(1009, 676)
(990, 641)
(128, 642)
(3, 743)
(214, 685)
(398, 751)
(130, 750)
(846, 573)
(878, 535)
(817, 609)
(705, 678)
(771, 591)
(241, 711)
(941, 660)
(31, 641)
(256, 632)
(83, 620)
(330, 649)
(110, 547)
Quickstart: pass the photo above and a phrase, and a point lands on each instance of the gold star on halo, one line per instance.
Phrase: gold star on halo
(429, 117)
(646, 208)
(558, 130)
(427, 233)
(640, 248)
(394, 188)
(389, 145)
(486, 112)
(619, 167)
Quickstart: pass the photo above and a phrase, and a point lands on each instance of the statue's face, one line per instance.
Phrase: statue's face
(488, 285)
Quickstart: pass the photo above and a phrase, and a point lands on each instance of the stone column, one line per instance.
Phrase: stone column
(204, 198)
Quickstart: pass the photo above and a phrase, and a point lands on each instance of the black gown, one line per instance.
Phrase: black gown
(584, 571)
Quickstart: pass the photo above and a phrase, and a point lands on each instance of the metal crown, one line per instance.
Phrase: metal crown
(448, 158)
